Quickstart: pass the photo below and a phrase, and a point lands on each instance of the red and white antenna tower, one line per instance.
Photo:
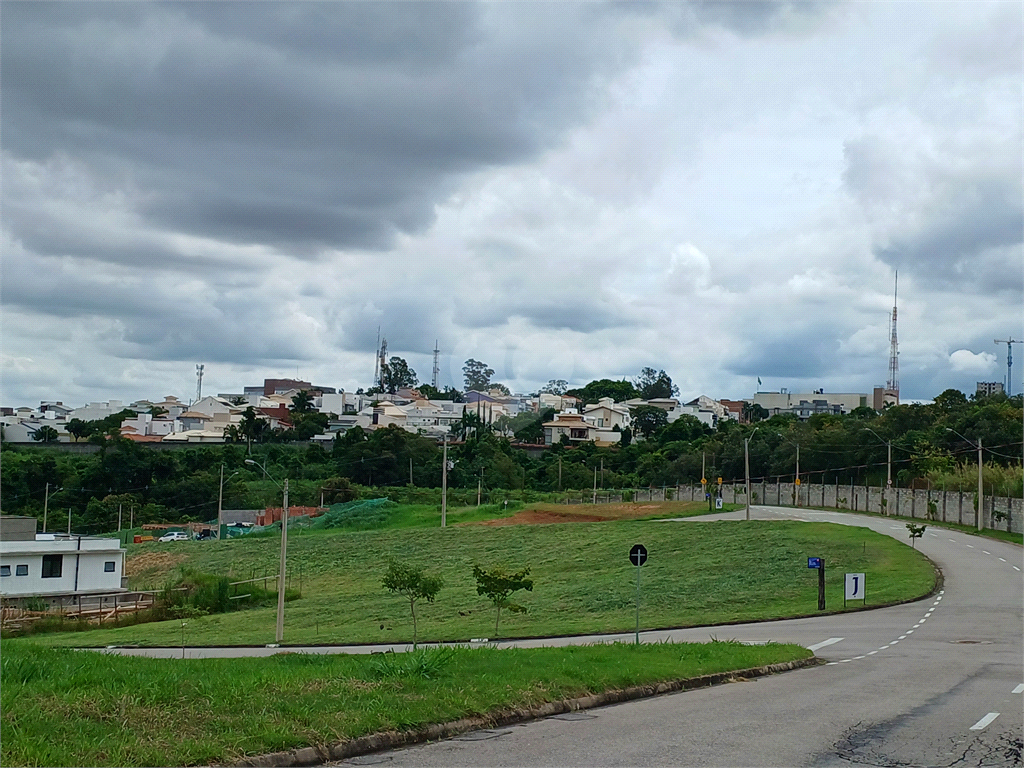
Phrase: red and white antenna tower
(893, 384)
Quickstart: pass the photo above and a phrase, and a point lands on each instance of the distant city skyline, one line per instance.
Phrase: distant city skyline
(563, 191)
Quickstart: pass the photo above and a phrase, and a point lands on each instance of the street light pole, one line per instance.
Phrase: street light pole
(279, 635)
(284, 560)
(981, 487)
(797, 483)
(746, 462)
(220, 503)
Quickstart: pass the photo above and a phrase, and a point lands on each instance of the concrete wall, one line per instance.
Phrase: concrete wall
(943, 506)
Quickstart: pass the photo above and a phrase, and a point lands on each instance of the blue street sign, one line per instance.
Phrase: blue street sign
(814, 562)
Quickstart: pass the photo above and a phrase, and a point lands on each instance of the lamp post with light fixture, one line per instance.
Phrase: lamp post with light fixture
(981, 498)
(284, 550)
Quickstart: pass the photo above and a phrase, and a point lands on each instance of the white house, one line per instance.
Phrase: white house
(55, 564)
(607, 414)
(94, 411)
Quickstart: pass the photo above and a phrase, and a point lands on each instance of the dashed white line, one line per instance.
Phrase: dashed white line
(986, 552)
(970, 546)
(984, 721)
(1016, 568)
(924, 619)
(894, 642)
(843, 661)
(823, 643)
(872, 653)
(910, 631)
(857, 657)
(883, 647)
(917, 625)
(1002, 559)
(1019, 688)
(952, 541)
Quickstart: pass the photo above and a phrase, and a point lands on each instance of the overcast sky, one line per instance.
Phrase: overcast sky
(571, 191)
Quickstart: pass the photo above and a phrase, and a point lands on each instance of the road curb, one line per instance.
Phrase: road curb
(375, 742)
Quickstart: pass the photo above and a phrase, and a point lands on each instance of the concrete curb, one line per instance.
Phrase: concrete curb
(375, 742)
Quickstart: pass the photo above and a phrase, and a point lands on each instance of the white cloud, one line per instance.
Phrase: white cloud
(971, 362)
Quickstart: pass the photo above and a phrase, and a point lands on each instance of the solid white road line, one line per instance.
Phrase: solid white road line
(984, 721)
(1019, 688)
(823, 643)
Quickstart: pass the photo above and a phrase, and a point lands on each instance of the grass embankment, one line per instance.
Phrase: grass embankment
(81, 708)
(698, 573)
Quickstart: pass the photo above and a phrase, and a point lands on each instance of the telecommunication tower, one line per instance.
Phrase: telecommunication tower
(199, 382)
(893, 384)
(433, 378)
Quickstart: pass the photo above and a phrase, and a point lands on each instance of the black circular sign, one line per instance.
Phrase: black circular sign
(638, 555)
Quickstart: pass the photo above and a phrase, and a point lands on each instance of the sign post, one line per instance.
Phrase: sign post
(819, 564)
(638, 556)
(854, 588)
(707, 494)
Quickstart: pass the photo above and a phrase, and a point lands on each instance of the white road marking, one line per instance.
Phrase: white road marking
(1019, 688)
(952, 540)
(883, 647)
(910, 631)
(934, 534)
(984, 721)
(917, 625)
(986, 552)
(924, 619)
(1002, 559)
(903, 637)
(858, 657)
(872, 653)
(823, 643)
(971, 546)
(831, 663)
(894, 642)
(1016, 568)
(843, 661)
(894, 527)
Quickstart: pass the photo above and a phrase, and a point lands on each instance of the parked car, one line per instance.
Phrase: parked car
(174, 536)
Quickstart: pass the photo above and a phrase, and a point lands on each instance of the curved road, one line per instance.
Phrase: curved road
(933, 683)
(938, 682)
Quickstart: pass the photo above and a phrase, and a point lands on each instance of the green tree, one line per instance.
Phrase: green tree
(648, 419)
(477, 375)
(253, 427)
(397, 374)
(916, 532)
(753, 412)
(498, 584)
(651, 384)
(79, 429)
(619, 391)
(302, 402)
(555, 387)
(46, 434)
(626, 438)
(412, 584)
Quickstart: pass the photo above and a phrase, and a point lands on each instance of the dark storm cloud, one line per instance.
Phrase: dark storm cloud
(955, 219)
(300, 125)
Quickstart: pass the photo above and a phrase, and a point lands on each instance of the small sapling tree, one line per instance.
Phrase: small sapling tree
(916, 532)
(498, 584)
(414, 585)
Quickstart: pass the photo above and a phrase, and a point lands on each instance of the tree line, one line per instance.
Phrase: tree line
(182, 484)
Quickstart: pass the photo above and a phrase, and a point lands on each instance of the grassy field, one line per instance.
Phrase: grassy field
(698, 573)
(66, 708)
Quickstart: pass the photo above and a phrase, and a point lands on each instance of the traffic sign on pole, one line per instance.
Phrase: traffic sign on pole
(638, 556)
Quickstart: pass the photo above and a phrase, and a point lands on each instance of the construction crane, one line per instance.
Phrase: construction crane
(1009, 360)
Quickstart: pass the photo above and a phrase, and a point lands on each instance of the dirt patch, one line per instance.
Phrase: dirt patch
(152, 563)
(540, 517)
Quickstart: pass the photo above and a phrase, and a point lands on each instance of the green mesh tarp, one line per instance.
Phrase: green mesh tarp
(364, 514)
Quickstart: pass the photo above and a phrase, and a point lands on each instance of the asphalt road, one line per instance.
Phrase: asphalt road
(933, 683)
(938, 682)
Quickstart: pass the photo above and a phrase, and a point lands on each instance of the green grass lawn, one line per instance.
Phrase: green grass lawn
(698, 573)
(66, 708)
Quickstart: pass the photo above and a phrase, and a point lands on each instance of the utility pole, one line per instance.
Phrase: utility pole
(981, 498)
(479, 486)
(746, 463)
(46, 504)
(119, 517)
(559, 474)
(131, 517)
(595, 485)
(602, 473)
(410, 470)
(284, 560)
(69, 521)
(220, 502)
(444, 483)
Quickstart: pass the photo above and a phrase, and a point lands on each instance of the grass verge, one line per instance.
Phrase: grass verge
(698, 573)
(987, 533)
(64, 707)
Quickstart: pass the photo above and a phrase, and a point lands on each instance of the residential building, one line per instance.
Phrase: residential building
(882, 397)
(571, 425)
(805, 405)
(54, 564)
(607, 414)
(990, 387)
